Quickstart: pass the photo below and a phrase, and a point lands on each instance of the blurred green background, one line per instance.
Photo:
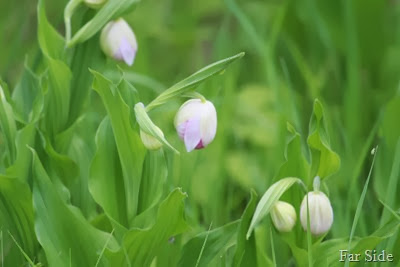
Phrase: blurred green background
(345, 53)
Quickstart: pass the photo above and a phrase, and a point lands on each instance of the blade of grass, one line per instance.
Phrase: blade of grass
(395, 214)
(204, 245)
(22, 251)
(104, 248)
(360, 204)
(2, 248)
(392, 184)
(272, 247)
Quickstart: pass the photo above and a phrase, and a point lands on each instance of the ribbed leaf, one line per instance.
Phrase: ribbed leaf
(8, 127)
(65, 235)
(140, 246)
(245, 253)
(327, 253)
(130, 148)
(296, 164)
(147, 125)
(154, 176)
(28, 97)
(193, 80)
(270, 197)
(324, 160)
(106, 182)
(206, 246)
(50, 41)
(16, 221)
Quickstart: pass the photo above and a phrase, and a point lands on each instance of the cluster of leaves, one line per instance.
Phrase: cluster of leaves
(77, 187)
(324, 162)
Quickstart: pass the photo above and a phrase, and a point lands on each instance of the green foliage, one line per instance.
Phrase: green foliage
(140, 246)
(324, 161)
(267, 201)
(59, 226)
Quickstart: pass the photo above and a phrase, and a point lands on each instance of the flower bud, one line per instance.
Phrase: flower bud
(118, 41)
(321, 213)
(196, 123)
(94, 3)
(283, 216)
(150, 142)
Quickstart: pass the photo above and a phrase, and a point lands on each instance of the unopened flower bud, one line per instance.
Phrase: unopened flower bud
(283, 216)
(196, 123)
(118, 41)
(150, 142)
(94, 3)
(321, 213)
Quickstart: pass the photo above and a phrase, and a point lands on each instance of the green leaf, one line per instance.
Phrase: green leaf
(8, 127)
(300, 254)
(193, 80)
(327, 252)
(16, 218)
(140, 246)
(84, 56)
(58, 75)
(50, 41)
(130, 148)
(270, 197)
(58, 97)
(147, 125)
(206, 246)
(245, 253)
(296, 164)
(154, 177)
(23, 164)
(65, 235)
(106, 183)
(324, 161)
(111, 10)
(65, 168)
(28, 98)
(390, 125)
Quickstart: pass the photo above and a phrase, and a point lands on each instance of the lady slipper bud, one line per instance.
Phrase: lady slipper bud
(118, 41)
(196, 123)
(283, 216)
(320, 209)
(150, 142)
(94, 3)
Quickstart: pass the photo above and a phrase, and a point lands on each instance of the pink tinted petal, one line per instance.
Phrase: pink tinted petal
(126, 51)
(200, 145)
(192, 134)
(181, 129)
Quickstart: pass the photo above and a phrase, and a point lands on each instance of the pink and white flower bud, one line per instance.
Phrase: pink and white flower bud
(118, 41)
(196, 123)
(321, 213)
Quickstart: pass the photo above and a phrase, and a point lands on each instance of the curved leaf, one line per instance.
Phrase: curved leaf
(140, 246)
(193, 80)
(106, 183)
(16, 221)
(324, 160)
(8, 126)
(270, 197)
(203, 248)
(130, 148)
(65, 235)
